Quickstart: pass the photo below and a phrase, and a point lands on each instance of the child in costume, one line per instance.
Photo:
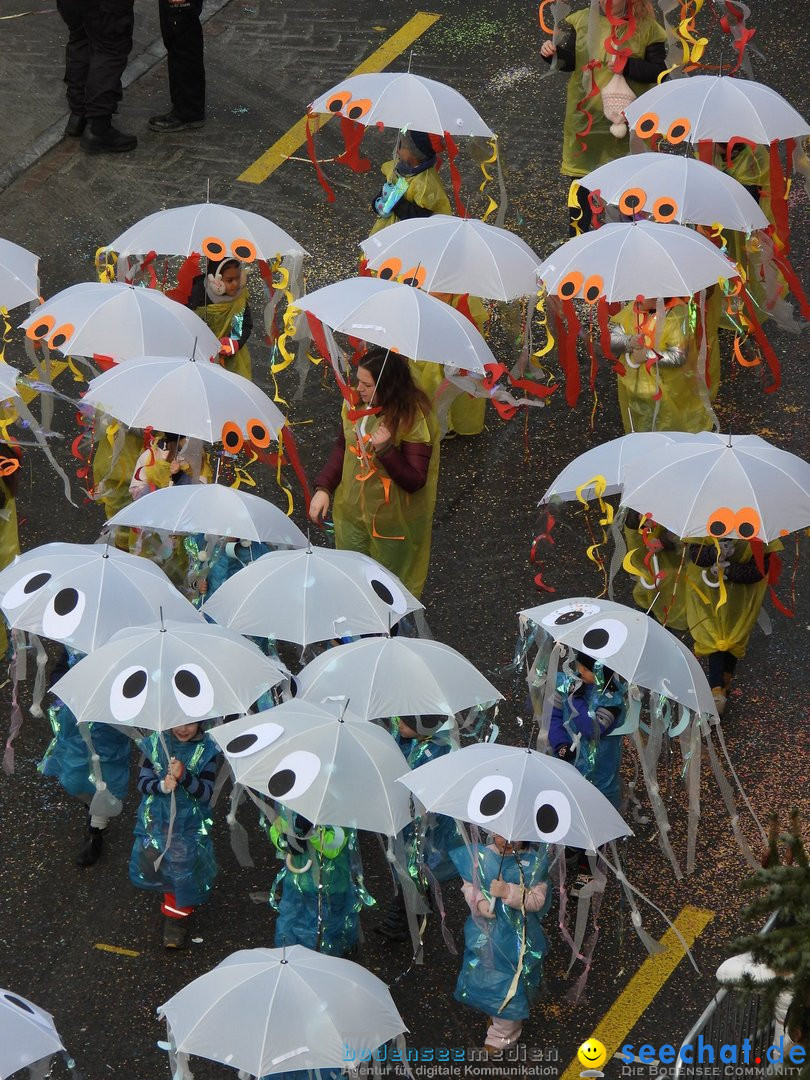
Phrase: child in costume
(170, 459)
(70, 759)
(504, 942)
(182, 779)
(115, 455)
(412, 186)
(9, 535)
(220, 298)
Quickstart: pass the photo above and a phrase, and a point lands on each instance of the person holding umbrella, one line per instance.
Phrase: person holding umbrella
(220, 298)
(412, 186)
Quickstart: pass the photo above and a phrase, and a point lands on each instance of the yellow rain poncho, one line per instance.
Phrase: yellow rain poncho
(684, 396)
(668, 596)
(225, 320)
(425, 189)
(374, 515)
(9, 545)
(114, 459)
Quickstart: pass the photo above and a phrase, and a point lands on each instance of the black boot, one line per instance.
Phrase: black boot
(394, 926)
(90, 851)
(102, 138)
(75, 125)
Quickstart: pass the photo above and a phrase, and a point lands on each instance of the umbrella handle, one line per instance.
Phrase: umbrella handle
(707, 581)
(296, 869)
(656, 572)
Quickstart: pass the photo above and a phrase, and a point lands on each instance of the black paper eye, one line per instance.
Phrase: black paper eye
(605, 639)
(22, 590)
(552, 816)
(253, 740)
(488, 799)
(387, 589)
(128, 693)
(193, 690)
(12, 1000)
(63, 613)
(294, 775)
(570, 613)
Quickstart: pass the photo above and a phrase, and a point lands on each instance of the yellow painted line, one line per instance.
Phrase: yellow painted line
(295, 138)
(623, 1014)
(115, 949)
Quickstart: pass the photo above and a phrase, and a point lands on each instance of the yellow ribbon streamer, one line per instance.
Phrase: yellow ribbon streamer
(105, 262)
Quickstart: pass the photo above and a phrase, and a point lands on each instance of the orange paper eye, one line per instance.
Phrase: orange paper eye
(678, 130)
(632, 201)
(8, 465)
(391, 268)
(748, 523)
(415, 276)
(213, 247)
(593, 288)
(232, 438)
(243, 250)
(647, 125)
(664, 209)
(258, 434)
(61, 335)
(722, 522)
(570, 285)
(358, 109)
(41, 328)
(338, 101)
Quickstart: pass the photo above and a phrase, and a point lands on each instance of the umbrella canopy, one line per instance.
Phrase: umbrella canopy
(383, 677)
(27, 1034)
(629, 642)
(728, 486)
(19, 275)
(82, 594)
(605, 462)
(623, 260)
(158, 677)
(401, 100)
(270, 1010)
(8, 382)
(332, 768)
(402, 319)
(197, 399)
(676, 189)
(455, 255)
(120, 321)
(213, 509)
(310, 596)
(211, 229)
(718, 108)
(518, 794)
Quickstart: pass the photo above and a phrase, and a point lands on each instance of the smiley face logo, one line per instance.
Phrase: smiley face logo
(592, 1054)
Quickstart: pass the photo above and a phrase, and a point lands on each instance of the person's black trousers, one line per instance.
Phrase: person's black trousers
(183, 37)
(99, 44)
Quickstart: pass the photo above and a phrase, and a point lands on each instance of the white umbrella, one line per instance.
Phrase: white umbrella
(195, 398)
(623, 260)
(384, 677)
(717, 108)
(27, 1034)
(630, 643)
(211, 229)
(725, 486)
(8, 382)
(310, 596)
(320, 762)
(455, 255)
(402, 319)
(120, 321)
(401, 100)
(604, 462)
(269, 1010)
(213, 509)
(518, 794)
(676, 189)
(19, 275)
(158, 677)
(82, 594)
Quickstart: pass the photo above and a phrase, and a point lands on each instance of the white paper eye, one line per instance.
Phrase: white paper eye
(128, 693)
(24, 589)
(604, 639)
(552, 816)
(193, 690)
(570, 613)
(63, 613)
(294, 775)
(488, 799)
(387, 589)
(253, 740)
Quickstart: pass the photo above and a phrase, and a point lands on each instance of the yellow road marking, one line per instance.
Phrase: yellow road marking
(295, 138)
(625, 1011)
(115, 949)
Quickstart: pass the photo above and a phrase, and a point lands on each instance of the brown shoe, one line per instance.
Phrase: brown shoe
(175, 932)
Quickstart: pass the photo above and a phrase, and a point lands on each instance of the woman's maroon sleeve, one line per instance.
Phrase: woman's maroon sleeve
(330, 474)
(408, 464)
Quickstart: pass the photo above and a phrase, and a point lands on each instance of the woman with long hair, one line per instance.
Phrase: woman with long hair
(382, 474)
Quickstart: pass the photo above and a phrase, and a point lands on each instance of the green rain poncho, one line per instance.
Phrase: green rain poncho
(425, 189)
(225, 320)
